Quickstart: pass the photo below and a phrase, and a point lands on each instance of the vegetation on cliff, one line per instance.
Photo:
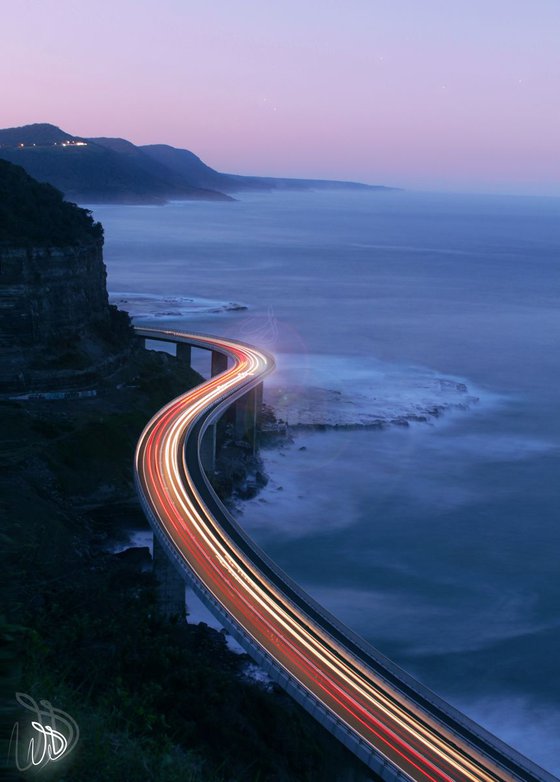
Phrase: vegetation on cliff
(35, 214)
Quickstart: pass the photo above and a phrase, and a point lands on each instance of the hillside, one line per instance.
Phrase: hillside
(201, 175)
(92, 172)
(152, 168)
(113, 170)
(196, 171)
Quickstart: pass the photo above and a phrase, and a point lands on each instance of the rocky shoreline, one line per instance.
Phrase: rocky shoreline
(313, 408)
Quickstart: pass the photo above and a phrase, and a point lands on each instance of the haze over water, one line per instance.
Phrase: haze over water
(439, 542)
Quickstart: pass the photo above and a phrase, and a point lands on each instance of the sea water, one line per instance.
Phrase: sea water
(439, 542)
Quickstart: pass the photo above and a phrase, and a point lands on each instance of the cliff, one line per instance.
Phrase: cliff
(57, 329)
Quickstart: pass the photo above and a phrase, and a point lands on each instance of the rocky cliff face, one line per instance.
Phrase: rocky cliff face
(51, 294)
(57, 329)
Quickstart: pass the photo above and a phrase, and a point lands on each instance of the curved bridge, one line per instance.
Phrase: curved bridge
(399, 728)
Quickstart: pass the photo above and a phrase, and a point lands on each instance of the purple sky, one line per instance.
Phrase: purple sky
(426, 94)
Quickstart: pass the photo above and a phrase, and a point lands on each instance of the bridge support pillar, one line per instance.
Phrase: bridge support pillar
(170, 590)
(208, 449)
(219, 363)
(247, 413)
(184, 353)
(259, 403)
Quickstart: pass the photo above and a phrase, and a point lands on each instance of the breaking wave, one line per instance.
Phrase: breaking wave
(146, 306)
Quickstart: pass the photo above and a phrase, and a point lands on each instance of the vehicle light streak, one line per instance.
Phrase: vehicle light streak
(422, 743)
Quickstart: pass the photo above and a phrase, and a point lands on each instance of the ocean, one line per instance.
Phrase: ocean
(435, 536)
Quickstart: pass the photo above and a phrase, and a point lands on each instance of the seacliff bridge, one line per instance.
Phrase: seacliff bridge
(395, 725)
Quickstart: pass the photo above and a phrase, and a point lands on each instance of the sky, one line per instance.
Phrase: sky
(456, 95)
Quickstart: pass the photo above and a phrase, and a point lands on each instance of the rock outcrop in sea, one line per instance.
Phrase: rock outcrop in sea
(396, 401)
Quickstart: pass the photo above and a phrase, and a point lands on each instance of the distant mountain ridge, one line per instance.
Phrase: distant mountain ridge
(93, 172)
(201, 175)
(114, 170)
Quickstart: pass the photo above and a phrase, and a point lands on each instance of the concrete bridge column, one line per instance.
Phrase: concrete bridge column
(184, 353)
(219, 363)
(170, 590)
(258, 403)
(246, 418)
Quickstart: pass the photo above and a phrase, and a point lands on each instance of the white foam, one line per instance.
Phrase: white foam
(324, 390)
(147, 306)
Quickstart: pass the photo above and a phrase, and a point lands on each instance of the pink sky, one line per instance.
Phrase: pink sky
(438, 94)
